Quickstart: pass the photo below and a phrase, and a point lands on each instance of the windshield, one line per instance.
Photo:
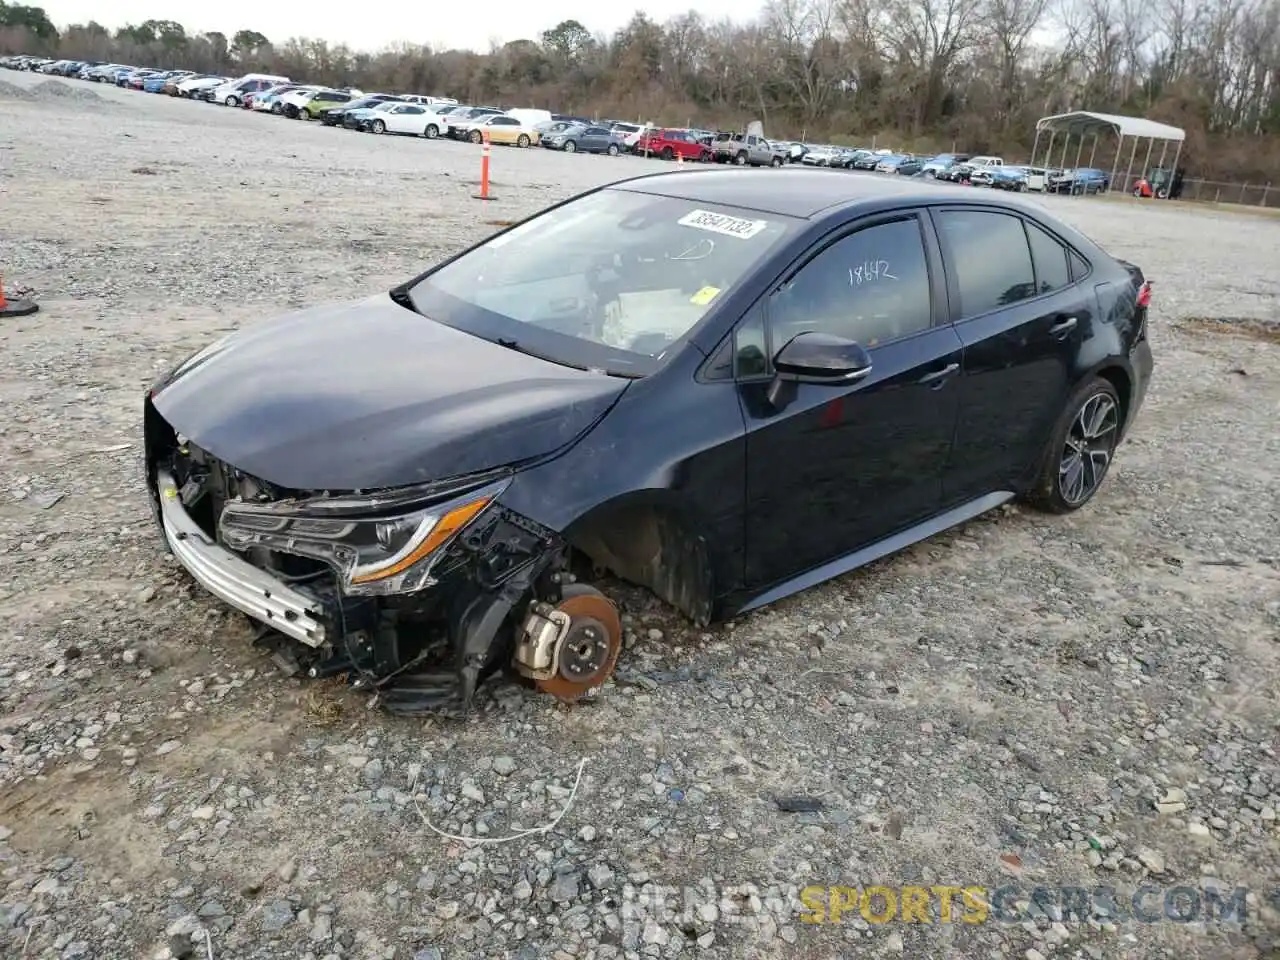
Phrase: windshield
(611, 281)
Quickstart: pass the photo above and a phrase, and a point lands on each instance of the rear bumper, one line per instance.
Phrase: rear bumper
(1143, 364)
(233, 581)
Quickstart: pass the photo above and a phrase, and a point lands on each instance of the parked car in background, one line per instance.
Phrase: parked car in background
(744, 149)
(505, 130)
(935, 165)
(1010, 177)
(157, 83)
(173, 86)
(627, 133)
(435, 102)
(198, 87)
(822, 155)
(582, 138)
(864, 160)
(137, 78)
(462, 120)
(529, 116)
(410, 119)
(360, 118)
(308, 104)
(332, 116)
(956, 173)
(230, 94)
(1080, 181)
(268, 100)
(101, 72)
(889, 164)
(910, 166)
(632, 137)
(668, 144)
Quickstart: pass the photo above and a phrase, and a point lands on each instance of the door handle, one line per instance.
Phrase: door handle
(942, 374)
(1063, 327)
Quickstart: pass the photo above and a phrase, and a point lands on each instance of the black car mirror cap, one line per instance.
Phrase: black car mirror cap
(823, 358)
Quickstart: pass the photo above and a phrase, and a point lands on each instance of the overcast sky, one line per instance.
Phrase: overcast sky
(371, 24)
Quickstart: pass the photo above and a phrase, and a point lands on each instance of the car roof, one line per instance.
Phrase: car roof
(796, 192)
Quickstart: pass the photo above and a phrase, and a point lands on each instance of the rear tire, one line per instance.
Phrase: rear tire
(1080, 450)
(741, 159)
(522, 140)
(431, 132)
(613, 150)
(668, 153)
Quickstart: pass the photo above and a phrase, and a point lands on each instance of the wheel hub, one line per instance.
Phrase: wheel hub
(584, 652)
(588, 650)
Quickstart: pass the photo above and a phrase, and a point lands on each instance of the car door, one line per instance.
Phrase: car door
(408, 118)
(503, 129)
(1022, 319)
(597, 139)
(840, 466)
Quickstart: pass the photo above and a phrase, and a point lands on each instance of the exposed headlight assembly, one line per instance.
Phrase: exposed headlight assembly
(378, 544)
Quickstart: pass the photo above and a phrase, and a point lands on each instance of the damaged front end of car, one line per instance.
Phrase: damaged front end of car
(418, 593)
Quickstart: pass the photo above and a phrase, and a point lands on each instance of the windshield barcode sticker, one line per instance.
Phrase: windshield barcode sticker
(719, 223)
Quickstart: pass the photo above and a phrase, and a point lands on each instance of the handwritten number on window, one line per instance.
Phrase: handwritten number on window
(869, 271)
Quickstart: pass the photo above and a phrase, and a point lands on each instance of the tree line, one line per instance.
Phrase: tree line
(912, 74)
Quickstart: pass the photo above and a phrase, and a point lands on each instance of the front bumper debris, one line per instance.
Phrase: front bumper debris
(421, 652)
(232, 580)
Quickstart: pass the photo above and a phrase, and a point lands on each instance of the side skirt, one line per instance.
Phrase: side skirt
(881, 548)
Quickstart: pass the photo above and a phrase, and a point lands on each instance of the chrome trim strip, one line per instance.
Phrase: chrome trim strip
(232, 580)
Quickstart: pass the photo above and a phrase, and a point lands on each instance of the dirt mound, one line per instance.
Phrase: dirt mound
(57, 90)
(9, 91)
(52, 88)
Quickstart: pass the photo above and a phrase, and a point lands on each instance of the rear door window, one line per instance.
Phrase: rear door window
(990, 257)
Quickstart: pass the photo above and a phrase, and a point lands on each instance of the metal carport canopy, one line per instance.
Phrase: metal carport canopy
(1083, 121)
(1080, 123)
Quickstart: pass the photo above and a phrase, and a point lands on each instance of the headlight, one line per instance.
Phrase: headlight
(378, 544)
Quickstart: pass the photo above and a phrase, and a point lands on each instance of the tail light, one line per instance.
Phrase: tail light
(1144, 301)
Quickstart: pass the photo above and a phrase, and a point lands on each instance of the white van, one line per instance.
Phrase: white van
(529, 117)
(232, 94)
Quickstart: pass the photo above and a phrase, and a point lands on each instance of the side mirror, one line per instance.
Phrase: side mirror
(814, 357)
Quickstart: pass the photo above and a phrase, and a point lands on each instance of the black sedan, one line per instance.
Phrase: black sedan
(333, 116)
(725, 387)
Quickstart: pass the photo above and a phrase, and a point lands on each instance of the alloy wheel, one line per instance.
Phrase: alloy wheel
(1086, 454)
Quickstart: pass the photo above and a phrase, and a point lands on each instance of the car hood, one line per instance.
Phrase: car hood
(369, 394)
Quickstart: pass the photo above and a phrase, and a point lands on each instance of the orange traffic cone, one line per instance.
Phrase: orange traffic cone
(15, 308)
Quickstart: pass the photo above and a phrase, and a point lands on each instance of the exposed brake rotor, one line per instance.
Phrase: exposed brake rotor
(588, 651)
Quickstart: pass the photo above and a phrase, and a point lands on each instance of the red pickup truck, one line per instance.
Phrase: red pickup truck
(669, 144)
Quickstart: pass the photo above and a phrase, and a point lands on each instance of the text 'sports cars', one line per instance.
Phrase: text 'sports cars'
(725, 386)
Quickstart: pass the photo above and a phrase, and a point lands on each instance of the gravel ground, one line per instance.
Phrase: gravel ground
(1026, 701)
